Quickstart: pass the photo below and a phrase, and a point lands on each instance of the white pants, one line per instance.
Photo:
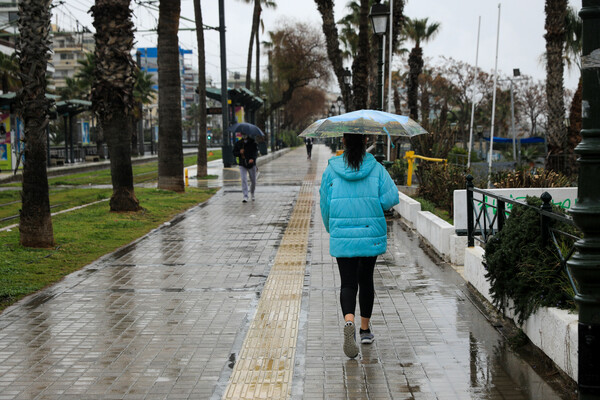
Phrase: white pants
(252, 173)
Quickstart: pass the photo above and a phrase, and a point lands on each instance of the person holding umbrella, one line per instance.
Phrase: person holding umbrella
(355, 191)
(246, 150)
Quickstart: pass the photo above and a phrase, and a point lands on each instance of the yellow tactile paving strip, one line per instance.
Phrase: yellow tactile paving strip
(264, 367)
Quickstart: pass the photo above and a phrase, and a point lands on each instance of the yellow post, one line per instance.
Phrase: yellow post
(410, 157)
(187, 182)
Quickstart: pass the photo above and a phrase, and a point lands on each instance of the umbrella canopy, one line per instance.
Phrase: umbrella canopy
(364, 122)
(246, 128)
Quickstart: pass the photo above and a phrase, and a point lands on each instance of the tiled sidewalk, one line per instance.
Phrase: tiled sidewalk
(166, 318)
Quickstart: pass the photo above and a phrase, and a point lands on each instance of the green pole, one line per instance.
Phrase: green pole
(585, 263)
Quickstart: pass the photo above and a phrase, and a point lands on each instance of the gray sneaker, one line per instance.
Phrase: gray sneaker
(366, 338)
(350, 346)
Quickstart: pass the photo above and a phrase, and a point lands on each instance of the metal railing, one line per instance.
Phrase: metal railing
(486, 217)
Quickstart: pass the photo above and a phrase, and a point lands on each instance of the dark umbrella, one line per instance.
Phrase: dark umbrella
(246, 128)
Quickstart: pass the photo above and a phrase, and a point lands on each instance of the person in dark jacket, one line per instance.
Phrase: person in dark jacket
(355, 191)
(309, 145)
(246, 150)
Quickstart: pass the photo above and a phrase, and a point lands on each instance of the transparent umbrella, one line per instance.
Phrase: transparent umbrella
(364, 122)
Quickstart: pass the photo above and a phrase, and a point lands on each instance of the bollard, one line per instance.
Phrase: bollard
(410, 157)
(187, 182)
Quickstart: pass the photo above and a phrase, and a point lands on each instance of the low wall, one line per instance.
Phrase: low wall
(552, 330)
(271, 156)
(437, 232)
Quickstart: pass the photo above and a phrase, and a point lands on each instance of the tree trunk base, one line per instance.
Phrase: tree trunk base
(124, 200)
(172, 183)
(37, 232)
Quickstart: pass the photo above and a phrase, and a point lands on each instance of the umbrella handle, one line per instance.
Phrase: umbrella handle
(389, 137)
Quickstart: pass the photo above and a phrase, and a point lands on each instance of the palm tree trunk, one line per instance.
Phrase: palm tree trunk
(112, 94)
(360, 66)
(253, 32)
(257, 79)
(170, 150)
(334, 53)
(415, 65)
(202, 157)
(35, 225)
(556, 11)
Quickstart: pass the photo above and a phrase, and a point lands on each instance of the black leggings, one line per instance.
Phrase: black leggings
(357, 272)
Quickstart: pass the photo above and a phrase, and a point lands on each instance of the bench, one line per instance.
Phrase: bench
(55, 162)
(93, 158)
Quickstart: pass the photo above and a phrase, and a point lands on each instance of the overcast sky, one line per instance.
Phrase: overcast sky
(521, 30)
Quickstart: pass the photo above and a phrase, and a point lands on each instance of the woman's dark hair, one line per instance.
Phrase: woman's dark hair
(354, 150)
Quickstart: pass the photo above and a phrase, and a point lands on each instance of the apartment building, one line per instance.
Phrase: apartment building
(68, 48)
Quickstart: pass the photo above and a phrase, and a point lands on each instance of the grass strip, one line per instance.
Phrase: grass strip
(144, 172)
(82, 236)
(60, 199)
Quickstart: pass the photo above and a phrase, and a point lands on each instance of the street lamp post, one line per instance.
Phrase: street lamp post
(379, 18)
(348, 84)
(226, 150)
(585, 263)
(516, 77)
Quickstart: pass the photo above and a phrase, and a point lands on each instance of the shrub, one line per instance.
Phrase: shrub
(398, 171)
(437, 183)
(519, 267)
(521, 178)
(458, 155)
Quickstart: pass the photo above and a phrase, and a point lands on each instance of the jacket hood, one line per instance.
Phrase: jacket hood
(339, 166)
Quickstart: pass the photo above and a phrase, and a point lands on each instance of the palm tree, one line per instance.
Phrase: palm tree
(143, 93)
(334, 53)
(349, 30)
(556, 13)
(9, 75)
(170, 150)
(573, 48)
(35, 224)
(86, 71)
(74, 89)
(419, 31)
(256, 21)
(202, 168)
(112, 94)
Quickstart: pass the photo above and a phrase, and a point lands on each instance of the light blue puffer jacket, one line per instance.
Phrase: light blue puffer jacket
(352, 204)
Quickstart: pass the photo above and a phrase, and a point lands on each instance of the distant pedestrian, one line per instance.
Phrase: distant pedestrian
(355, 191)
(247, 151)
(309, 144)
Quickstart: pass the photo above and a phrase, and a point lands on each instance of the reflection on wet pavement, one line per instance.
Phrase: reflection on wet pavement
(166, 316)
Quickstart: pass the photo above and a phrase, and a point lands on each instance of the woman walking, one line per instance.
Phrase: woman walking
(355, 190)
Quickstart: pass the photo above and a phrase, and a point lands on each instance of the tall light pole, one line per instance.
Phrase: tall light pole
(379, 19)
(226, 150)
(585, 263)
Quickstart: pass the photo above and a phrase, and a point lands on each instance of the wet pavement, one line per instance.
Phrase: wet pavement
(172, 315)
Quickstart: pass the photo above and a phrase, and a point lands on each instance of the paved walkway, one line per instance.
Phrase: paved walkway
(235, 300)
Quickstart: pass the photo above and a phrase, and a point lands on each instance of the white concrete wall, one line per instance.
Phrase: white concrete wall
(408, 208)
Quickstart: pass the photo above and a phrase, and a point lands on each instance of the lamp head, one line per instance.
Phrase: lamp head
(379, 18)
